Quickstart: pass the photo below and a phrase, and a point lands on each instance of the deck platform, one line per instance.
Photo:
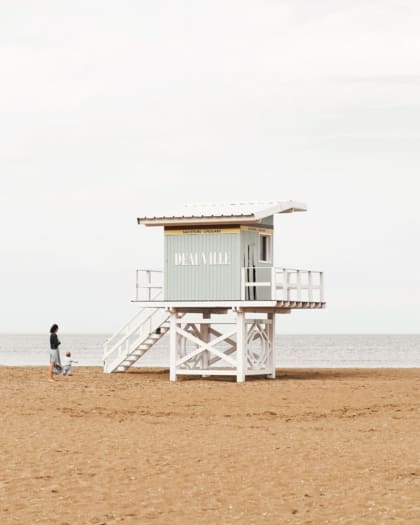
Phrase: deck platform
(277, 307)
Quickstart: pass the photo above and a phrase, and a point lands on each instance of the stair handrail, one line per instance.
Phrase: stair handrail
(125, 331)
(119, 352)
(136, 328)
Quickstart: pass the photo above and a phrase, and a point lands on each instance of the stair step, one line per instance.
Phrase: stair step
(138, 351)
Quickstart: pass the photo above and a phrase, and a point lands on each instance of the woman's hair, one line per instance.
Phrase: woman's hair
(54, 328)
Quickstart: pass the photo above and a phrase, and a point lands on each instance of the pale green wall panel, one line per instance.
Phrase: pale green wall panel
(202, 267)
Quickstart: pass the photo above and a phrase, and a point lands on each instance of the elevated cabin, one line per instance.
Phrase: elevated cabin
(218, 261)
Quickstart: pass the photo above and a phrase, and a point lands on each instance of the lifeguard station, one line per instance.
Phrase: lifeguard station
(218, 293)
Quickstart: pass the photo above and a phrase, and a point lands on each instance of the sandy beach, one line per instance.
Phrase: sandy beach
(312, 446)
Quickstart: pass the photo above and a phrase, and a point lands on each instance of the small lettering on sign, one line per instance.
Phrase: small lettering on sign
(208, 230)
(202, 258)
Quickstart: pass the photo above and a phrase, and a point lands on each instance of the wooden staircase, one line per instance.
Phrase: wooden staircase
(134, 339)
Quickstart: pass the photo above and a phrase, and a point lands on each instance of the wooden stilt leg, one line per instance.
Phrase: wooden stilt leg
(205, 336)
(173, 346)
(272, 332)
(240, 347)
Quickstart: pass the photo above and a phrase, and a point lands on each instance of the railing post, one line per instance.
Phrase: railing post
(286, 296)
(149, 284)
(273, 283)
(310, 294)
(243, 287)
(137, 285)
(241, 347)
(321, 287)
(298, 286)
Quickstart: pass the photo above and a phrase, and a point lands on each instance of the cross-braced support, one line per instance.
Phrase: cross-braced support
(241, 346)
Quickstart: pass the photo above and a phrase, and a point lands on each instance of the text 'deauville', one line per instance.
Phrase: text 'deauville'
(202, 258)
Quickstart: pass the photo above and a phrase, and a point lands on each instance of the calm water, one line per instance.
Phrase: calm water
(318, 351)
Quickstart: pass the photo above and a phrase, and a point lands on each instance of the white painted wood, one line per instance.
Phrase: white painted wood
(273, 283)
(310, 287)
(271, 332)
(240, 347)
(205, 336)
(201, 345)
(134, 336)
(299, 285)
(286, 293)
(220, 372)
(207, 322)
(247, 347)
(173, 346)
(243, 212)
(214, 305)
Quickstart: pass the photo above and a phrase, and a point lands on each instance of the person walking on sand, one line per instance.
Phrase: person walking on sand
(54, 351)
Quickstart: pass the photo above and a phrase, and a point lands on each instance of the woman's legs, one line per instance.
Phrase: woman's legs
(50, 372)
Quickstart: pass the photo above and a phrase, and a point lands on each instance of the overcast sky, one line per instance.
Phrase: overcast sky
(109, 108)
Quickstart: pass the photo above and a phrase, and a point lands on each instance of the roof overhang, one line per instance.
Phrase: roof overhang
(240, 213)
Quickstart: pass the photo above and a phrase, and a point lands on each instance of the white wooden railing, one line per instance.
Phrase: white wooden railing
(147, 282)
(279, 284)
(282, 284)
(133, 333)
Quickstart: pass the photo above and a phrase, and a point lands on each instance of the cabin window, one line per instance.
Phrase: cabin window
(265, 248)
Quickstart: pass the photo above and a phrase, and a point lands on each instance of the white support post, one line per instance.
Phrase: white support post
(173, 346)
(272, 333)
(241, 357)
(204, 336)
(321, 287)
(273, 284)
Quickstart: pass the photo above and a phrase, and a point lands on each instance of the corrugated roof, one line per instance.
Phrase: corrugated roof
(221, 213)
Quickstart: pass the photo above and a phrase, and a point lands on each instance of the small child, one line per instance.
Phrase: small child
(67, 368)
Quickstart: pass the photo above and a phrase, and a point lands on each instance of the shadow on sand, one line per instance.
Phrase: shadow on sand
(295, 374)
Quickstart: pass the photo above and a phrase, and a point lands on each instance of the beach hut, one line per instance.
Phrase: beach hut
(218, 294)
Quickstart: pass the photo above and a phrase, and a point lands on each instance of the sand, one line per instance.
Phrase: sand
(312, 446)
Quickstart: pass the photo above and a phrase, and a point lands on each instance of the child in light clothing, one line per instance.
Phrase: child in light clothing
(67, 368)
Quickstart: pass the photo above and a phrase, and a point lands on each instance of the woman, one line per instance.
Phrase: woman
(54, 351)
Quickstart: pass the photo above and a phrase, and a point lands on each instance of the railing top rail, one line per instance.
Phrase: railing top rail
(122, 335)
(131, 320)
(148, 270)
(280, 269)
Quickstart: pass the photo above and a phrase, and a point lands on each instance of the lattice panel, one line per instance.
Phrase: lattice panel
(185, 347)
(258, 345)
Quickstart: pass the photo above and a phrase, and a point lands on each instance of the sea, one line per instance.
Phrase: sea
(292, 351)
